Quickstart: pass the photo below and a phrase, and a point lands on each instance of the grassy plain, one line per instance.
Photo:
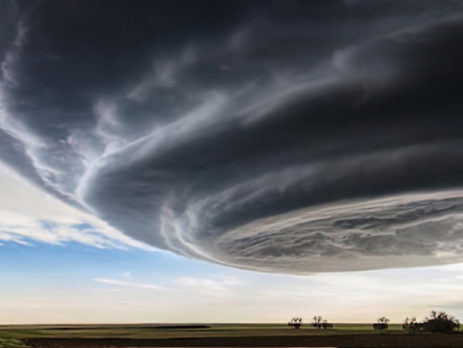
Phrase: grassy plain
(156, 331)
(221, 335)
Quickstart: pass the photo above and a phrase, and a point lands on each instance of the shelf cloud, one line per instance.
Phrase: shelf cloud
(281, 136)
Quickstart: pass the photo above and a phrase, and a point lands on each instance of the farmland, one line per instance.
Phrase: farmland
(215, 335)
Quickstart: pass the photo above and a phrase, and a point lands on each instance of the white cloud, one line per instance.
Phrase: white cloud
(208, 286)
(29, 215)
(129, 284)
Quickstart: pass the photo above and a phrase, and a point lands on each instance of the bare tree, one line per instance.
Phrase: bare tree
(381, 324)
(295, 322)
(317, 321)
(412, 325)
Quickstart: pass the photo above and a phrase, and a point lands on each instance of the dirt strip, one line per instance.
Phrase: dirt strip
(341, 341)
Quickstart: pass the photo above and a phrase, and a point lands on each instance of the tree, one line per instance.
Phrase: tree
(317, 321)
(440, 322)
(295, 322)
(412, 325)
(381, 324)
(436, 322)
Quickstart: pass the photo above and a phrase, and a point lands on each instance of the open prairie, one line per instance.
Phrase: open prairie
(222, 335)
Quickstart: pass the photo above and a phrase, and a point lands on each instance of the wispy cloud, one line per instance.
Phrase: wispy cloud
(129, 284)
(28, 215)
(219, 286)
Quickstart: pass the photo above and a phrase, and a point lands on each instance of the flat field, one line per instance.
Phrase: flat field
(160, 331)
(222, 335)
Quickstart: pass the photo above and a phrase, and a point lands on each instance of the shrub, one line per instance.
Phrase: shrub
(412, 325)
(295, 322)
(327, 325)
(319, 323)
(440, 322)
(436, 322)
(381, 324)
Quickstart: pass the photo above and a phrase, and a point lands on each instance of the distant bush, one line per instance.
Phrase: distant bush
(327, 325)
(295, 322)
(381, 324)
(412, 325)
(319, 323)
(436, 322)
(440, 322)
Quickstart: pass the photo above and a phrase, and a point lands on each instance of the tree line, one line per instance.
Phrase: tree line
(435, 322)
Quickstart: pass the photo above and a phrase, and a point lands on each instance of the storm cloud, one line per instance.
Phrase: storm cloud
(280, 136)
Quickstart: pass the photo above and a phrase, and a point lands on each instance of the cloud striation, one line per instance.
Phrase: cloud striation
(284, 136)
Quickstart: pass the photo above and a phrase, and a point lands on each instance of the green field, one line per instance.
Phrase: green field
(157, 332)
(12, 343)
(220, 335)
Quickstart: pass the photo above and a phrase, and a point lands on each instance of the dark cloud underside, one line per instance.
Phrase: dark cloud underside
(279, 136)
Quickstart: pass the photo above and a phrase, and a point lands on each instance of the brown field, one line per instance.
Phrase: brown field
(220, 335)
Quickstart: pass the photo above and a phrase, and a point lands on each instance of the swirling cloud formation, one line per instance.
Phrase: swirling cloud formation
(280, 136)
